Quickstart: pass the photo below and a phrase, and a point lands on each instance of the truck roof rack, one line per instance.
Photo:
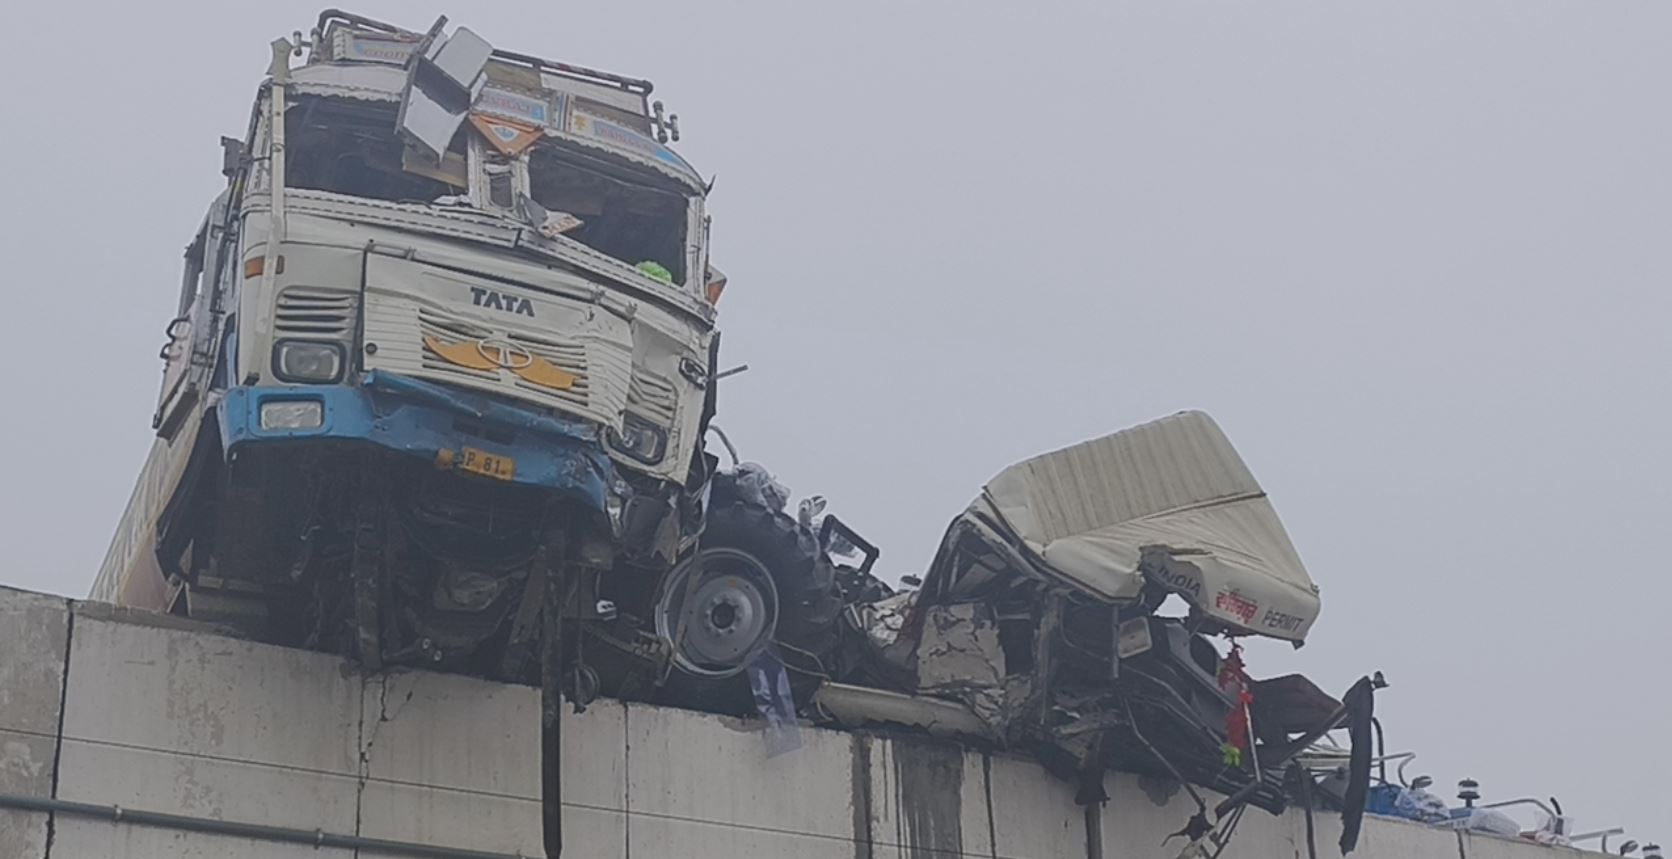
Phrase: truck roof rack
(637, 85)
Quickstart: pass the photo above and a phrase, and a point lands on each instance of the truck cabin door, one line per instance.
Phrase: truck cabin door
(188, 353)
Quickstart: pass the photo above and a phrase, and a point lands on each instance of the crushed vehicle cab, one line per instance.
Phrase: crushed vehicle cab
(441, 370)
(1039, 626)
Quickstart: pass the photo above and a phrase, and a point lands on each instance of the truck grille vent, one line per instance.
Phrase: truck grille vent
(450, 329)
(601, 366)
(653, 396)
(315, 313)
(566, 355)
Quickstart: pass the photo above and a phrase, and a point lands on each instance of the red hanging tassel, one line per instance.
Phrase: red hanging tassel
(1234, 683)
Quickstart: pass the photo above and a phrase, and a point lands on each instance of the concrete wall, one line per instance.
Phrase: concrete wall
(104, 707)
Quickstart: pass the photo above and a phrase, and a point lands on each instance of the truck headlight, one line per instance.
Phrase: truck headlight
(292, 414)
(640, 439)
(307, 361)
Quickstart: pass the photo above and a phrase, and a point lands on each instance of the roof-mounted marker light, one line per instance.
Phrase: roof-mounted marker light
(254, 266)
(716, 285)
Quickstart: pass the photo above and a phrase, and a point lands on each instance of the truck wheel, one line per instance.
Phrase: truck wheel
(757, 578)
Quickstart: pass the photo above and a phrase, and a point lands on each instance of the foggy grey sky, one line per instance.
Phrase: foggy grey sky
(1413, 256)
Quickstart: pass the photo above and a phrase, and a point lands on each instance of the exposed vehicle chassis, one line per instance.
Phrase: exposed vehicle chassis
(392, 561)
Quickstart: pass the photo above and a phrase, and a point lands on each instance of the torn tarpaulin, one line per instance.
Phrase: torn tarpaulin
(1290, 704)
(1360, 703)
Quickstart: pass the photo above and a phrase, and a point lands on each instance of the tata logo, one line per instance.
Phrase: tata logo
(483, 297)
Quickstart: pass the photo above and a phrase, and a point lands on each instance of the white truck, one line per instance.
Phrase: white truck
(444, 355)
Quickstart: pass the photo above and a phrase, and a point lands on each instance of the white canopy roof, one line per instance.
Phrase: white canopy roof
(1170, 497)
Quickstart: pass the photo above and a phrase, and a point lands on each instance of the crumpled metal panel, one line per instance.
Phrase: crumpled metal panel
(959, 656)
(883, 620)
(959, 649)
(443, 83)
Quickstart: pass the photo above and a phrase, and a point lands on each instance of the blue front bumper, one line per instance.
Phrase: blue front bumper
(433, 423)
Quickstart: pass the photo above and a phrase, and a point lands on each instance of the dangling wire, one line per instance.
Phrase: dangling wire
(730, 449)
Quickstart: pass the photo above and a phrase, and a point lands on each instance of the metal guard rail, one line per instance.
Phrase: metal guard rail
(313, 838)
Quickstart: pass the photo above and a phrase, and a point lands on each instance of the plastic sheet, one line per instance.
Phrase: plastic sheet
(1418, 804)
(810, 515)
(776, 705)
(756, 485)
(1553, 831)
(1487, 820)
(883, 620)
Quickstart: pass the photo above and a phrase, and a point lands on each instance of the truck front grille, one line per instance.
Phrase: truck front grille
(314, 313)
(398, 326)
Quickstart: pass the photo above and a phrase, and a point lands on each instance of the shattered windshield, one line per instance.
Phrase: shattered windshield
(352, 148)
(638, 224)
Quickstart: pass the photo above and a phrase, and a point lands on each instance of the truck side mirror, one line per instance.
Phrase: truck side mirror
(232, 156)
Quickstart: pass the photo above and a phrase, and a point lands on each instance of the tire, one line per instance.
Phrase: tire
(807, 601)
(808, 604)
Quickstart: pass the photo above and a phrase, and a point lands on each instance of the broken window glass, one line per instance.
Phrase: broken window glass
(351, 148)
(501, 182)
(620, 215)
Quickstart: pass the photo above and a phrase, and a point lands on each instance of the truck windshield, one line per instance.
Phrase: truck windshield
(635, 223)
(352, 148)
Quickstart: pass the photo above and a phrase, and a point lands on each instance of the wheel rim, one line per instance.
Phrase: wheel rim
(719, 609)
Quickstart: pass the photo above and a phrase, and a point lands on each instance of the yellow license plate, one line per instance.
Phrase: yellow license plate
(486, 464)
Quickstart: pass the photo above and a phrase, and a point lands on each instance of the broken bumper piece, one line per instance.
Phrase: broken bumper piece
(861, 706)
(428, 422)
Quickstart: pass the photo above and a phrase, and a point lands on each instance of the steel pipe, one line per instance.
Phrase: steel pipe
(259, 831)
